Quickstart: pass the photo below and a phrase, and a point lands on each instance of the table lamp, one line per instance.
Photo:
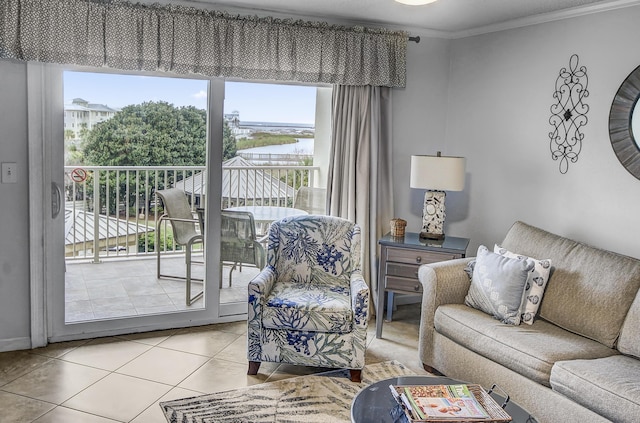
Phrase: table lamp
(437, 174)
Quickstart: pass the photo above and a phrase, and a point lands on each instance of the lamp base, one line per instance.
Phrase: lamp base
(428, 235)
(433, 215)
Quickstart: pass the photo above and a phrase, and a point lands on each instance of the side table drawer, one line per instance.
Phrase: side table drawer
(402, 284)
(404, 270)
(404, 255)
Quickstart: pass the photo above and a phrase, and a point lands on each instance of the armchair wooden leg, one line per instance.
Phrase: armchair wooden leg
(253, 367)
(356, 375)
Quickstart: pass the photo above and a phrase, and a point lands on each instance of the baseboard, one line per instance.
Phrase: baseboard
(14, 344)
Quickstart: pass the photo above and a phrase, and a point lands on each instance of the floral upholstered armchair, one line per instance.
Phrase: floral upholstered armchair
(309, 306)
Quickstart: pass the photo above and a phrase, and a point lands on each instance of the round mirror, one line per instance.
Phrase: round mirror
(624, 123)
(635, 124)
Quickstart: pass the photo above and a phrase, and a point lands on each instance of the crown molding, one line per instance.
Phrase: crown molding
(545, 17)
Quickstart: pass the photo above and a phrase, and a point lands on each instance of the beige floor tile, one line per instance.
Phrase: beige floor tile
(19, 409)
(236, 351)
(220, 375)
(55, 381)
(163, 365)
(207, 343)
(14, 364)
(106, 353)
(239, 328)
(146, 367)
(118, 397)
(150, 338)
(68, 415)
(59, 348)
(154, 413)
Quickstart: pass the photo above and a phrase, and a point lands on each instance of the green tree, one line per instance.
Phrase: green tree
(149, 134)
(154, 134)
(229, 144)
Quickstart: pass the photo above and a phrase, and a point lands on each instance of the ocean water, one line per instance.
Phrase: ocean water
(303, 146)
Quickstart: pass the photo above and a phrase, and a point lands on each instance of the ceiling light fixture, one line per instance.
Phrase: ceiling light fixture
(415, 2)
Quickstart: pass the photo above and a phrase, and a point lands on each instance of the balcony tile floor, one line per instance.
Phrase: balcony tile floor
(129, 287)
(123, 378)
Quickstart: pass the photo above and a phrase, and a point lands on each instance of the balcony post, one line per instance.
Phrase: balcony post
(96, 216)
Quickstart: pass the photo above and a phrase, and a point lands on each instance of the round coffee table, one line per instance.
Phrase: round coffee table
(374, 404)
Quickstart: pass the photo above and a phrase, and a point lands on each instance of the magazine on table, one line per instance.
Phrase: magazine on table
(439, 402)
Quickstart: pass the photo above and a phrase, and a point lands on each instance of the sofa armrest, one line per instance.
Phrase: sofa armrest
(442, 283)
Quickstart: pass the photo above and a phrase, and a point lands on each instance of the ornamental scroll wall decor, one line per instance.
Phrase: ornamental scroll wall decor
(568, 114)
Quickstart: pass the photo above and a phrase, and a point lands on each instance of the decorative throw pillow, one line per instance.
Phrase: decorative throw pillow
(468, 269)
(536, 283)
(497, 285)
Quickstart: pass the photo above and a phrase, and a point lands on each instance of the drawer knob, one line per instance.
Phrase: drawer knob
(418, 259)
(416, 288)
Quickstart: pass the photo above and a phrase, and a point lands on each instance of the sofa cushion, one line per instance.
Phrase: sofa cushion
(536, 282)
(309, 308)
(589, 291)
(497, 285)
(629, 342)
(530, 350)
(608, 386)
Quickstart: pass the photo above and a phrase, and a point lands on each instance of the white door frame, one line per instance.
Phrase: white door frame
(45, 131)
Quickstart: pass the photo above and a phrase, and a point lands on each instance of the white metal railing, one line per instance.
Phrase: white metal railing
(275, 158)
(122, 219)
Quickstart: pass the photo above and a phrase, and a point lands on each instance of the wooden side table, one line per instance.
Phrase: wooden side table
(400, 259)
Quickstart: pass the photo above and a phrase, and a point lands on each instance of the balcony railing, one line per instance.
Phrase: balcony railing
(112, 211)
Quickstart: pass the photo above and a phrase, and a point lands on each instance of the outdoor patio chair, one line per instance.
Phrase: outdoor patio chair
(185, 233)
(311, 200)
(238, 242)
(309, 306)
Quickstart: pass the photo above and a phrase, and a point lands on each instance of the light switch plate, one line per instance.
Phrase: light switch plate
(9, 173)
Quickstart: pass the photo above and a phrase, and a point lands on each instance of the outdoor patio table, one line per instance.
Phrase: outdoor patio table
(265, 215)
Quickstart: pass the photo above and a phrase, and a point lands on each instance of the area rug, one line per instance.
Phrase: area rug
(324, 397)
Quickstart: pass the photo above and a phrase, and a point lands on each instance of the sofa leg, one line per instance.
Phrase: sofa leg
(253, 367)
(356, 375)
(431, 370)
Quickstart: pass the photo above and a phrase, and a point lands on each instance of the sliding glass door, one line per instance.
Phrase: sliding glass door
(111, 142)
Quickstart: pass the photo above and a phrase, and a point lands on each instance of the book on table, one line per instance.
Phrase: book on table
(439, 402)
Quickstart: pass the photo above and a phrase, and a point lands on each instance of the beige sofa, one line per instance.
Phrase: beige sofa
(578, 362)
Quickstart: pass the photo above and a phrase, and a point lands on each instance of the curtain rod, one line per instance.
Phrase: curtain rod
(416, 39)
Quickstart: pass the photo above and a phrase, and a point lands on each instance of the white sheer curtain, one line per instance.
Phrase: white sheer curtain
(360, 178)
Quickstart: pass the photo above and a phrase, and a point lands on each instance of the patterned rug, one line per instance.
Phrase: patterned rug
(324, 397)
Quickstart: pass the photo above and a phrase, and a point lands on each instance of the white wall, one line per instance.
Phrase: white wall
(419, 117)
(14, 209)
(500, 94)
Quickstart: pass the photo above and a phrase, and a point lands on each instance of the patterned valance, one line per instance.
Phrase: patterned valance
(180, 39)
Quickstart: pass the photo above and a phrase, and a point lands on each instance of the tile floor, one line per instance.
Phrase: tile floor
(129, 287)
(123, 378)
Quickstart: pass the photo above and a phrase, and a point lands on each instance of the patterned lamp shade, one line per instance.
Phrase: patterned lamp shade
(437, 174)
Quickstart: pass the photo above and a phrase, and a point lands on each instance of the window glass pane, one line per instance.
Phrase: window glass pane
(127, 137)
(268, 153)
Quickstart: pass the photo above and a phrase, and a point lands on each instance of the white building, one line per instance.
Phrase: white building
(81, 114)
(233, 119)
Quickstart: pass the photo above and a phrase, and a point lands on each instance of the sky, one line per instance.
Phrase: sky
(255, 102)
